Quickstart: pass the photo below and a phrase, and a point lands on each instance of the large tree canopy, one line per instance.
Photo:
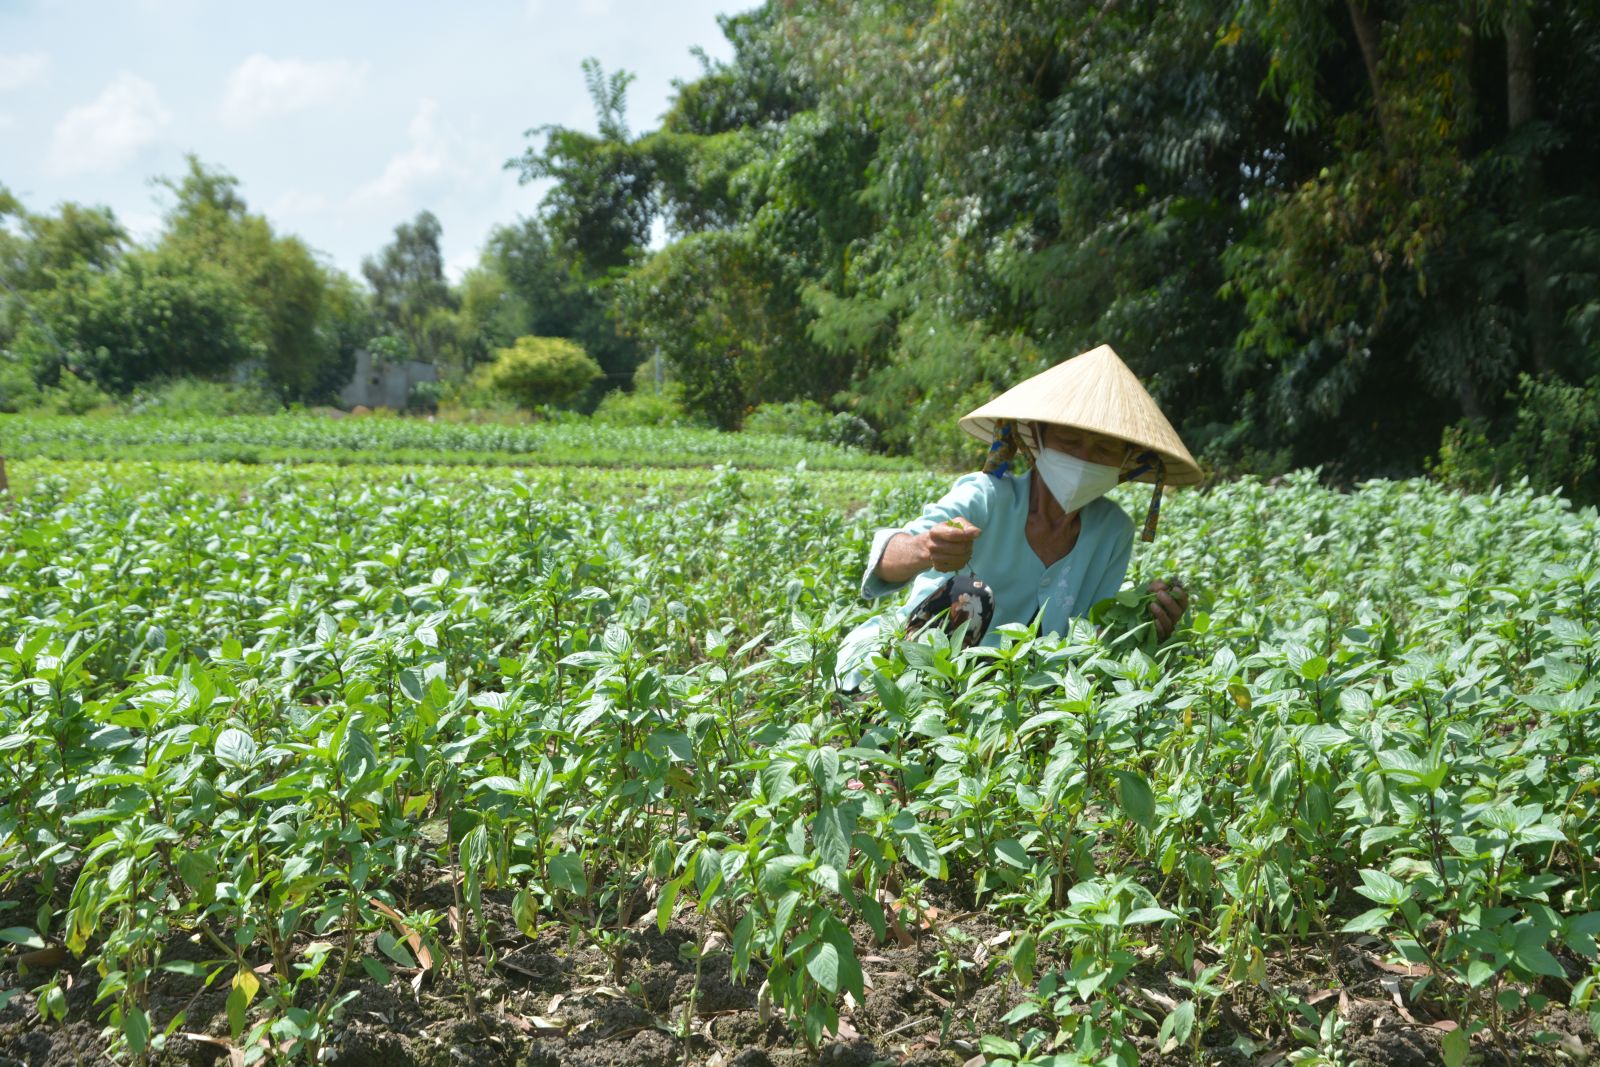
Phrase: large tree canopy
(1322, 233)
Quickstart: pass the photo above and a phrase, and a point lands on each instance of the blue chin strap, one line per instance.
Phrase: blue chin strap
(1002, 450)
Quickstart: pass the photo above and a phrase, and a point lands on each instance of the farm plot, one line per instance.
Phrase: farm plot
(305, 438)
(405, 768)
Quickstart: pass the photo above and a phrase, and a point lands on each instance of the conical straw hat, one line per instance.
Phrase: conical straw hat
(1097, 392)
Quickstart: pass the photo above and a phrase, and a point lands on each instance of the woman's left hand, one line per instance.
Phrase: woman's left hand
(1171, 601)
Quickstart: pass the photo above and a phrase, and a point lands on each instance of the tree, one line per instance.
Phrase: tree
(408, 285)
(156, 315)
(601, 205)
(209, 223)
(35, 255)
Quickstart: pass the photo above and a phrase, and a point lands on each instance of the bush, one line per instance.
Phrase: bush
(73, 396)
(423, 397)
(195, 396)
(18, 390)
(810, 421)
(537, 371)
(1553, 441)
(644, 407)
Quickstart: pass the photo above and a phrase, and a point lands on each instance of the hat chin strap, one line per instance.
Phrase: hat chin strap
(1002, 450)
(1149, 461)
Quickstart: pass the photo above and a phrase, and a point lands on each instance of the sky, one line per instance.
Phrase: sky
(340, 119)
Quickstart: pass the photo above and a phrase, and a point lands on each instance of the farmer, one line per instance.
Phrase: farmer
(1046, 543)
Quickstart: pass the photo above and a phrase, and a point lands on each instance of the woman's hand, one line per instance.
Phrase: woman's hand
(949, 544)
(945, 547)
(1171, 601)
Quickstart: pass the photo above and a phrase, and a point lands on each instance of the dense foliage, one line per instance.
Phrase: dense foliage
(321, 740)
(1322, 233)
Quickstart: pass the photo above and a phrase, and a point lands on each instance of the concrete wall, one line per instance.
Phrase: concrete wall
(385, 386)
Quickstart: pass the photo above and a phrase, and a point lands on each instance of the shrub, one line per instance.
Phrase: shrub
(73, 396)
(1553, 441)
(810, 421)
(643, 407)
(538, 371)
(423, 397)
(18, 390)
(195, 396)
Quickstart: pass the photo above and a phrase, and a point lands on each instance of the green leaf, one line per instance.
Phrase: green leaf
(823, 763)
(376, 970)
(187, 968)
(1383, 888)
(1536, 959)
(1454, 1046)
(396, 950)
(1176, 1028)
(1368, 922)
(669, 897)
(566, 872)
(917, 846)
(136, 1028)
(1011, 851)
(823, 966)
(999, 1046)
(831, 831)
(673, 743)
(1140, 916)
(1024, 955)
(54, 1003)
(1134, 793)
(358, 758)
(235, 748)
(21, 935)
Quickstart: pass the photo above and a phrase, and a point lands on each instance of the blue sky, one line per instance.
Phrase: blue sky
(340, 118)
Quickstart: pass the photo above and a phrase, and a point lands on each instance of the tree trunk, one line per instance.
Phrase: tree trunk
(1367, 37)
(4, 485)
(1519, 111)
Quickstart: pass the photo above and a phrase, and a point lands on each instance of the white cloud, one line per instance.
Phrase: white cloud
(262, 87)
(110, 130)
(427, 165)
(19, 71)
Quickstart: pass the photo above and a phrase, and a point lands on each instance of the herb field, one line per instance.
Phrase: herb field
(302, 438)
(395, 766)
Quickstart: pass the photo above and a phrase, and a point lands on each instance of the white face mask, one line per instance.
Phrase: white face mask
(1072, 481)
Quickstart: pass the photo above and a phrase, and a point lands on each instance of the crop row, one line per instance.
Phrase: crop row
(304, 438)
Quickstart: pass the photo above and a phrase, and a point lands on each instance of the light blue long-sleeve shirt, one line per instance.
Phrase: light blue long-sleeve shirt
(1002, 558)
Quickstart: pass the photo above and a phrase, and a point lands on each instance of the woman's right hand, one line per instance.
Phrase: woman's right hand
(948, 546)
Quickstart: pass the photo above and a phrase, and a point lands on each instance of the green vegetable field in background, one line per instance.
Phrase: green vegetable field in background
(312, 438)
(274, 751)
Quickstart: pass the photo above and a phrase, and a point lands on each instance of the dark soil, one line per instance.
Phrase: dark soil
(554, 1002)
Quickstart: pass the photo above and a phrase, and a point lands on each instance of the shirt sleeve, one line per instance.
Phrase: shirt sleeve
(969, 498)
